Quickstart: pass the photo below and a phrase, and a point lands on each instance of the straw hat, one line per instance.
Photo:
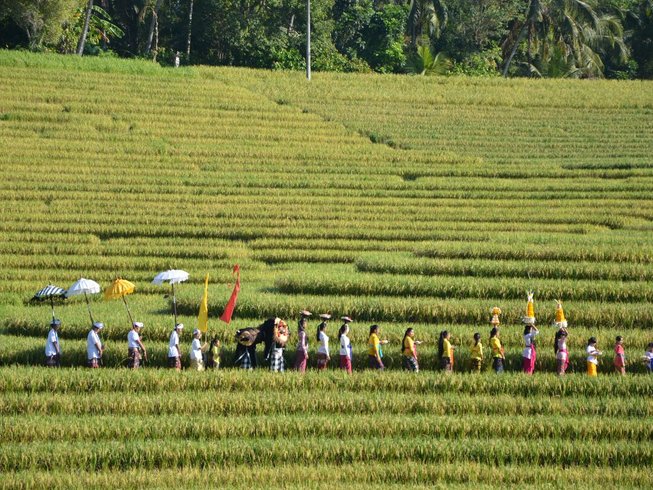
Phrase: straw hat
(346, 319)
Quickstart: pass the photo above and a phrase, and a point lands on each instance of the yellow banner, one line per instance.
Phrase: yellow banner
(203, 317)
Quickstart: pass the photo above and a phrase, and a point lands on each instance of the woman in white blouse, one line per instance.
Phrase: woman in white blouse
(345, 348)
(323, 356)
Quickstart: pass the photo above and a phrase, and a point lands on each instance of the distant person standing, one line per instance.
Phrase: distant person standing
(135, 348)
(301, 354)
(345, 348)
(174, 353)
(52, 345)
(323, 355)
(477, 354)
(619, 356)
(592, 356)
(498, 354)
(94, 347)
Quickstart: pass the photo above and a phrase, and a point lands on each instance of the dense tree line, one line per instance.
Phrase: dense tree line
(539, 38)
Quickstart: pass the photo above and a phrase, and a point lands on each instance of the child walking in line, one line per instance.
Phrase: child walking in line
(592, 356)
(648, 358)
(445, 352)
(619, 356)
(213, 356)
(498, 354)
(477, 354)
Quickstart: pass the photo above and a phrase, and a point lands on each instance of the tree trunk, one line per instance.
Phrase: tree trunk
(82, 36)
(153, 26)
(519, 39)
(190, 29)
(308, 39)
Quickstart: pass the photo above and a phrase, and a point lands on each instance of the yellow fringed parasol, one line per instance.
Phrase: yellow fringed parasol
(120, 288)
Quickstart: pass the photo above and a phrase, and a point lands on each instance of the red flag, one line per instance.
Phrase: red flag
(229, 309)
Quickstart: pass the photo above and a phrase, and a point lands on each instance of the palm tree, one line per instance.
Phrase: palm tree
(82, 36)
(426, 17)
(154, 26)
(574, 27)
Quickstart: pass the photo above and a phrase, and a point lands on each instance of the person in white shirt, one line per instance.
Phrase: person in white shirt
(529, 354)
(94, 347)
(323, 356)
(196, 349)
(52, 346)
(648, 358)
(135, 346)
(174, 353)
(592, 356)
(345, 348)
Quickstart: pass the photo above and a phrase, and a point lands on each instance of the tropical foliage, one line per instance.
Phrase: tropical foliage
(541, 38)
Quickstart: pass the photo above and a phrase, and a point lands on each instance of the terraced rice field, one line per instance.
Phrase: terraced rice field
(403, 201)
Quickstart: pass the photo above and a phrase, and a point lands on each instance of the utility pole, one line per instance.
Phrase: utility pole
(308, 39)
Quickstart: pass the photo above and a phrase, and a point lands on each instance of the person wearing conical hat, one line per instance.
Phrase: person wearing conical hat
(52, 345)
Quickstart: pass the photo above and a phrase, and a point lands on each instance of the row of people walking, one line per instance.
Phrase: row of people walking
(137, 352)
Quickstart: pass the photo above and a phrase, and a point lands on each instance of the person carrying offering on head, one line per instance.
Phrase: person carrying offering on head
(301, 354)
(52, 345)
(374, 352)
(345, 347)
(498, 354)
(477, 353)
(409, 351)
(592, 356)
(560, 340)
(213, 356)
(135, 348)
(445, 351)
(562, 354)
(280, 336)
(619, 356)
(323, 355)
(529, 354)
(196, 349)
(94, 347)
(174, 352)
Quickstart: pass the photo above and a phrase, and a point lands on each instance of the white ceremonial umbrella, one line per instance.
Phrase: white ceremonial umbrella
(85, 287)
(172, 277)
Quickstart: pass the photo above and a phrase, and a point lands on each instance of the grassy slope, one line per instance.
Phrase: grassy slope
(382, 183)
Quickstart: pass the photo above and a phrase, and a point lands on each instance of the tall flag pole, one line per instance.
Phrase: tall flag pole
(231, 304)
